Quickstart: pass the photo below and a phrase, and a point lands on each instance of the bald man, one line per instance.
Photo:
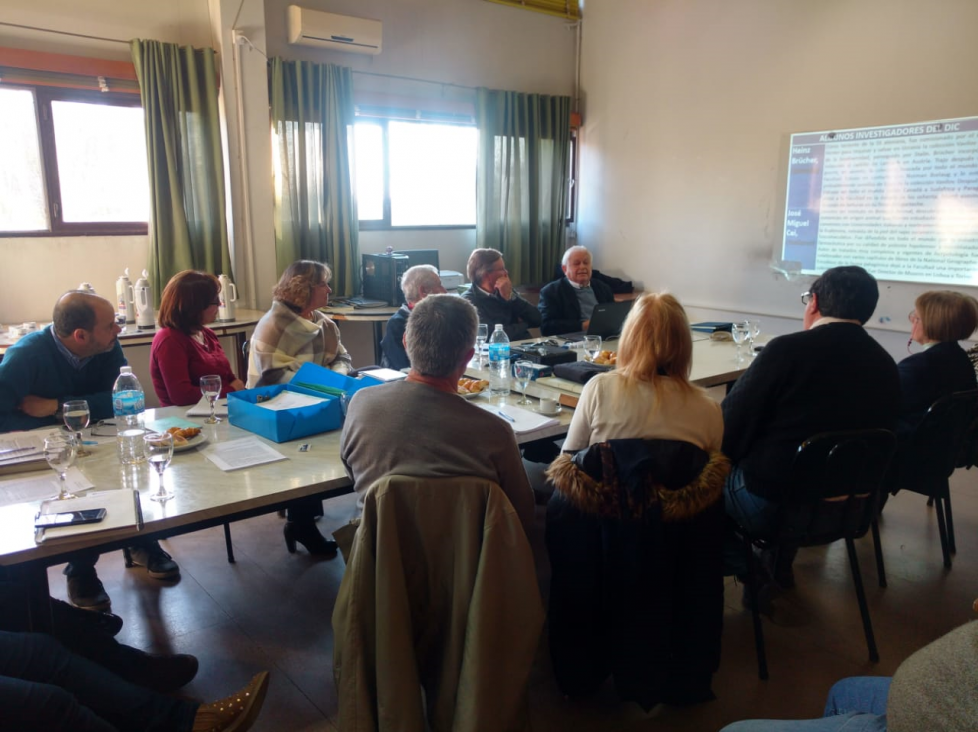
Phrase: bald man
(78, 356)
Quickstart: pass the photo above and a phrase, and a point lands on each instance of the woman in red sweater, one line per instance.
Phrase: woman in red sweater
(183, 348)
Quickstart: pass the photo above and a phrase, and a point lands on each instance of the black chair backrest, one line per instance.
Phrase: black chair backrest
(835, 482)
(936, 446)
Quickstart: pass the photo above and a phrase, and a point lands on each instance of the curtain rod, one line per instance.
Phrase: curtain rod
(64, 33)
(414, 78)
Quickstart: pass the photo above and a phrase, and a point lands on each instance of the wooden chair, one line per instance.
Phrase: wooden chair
(933, 452)
(834, 491)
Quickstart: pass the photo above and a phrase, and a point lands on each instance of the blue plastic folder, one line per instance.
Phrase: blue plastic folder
(291, 424)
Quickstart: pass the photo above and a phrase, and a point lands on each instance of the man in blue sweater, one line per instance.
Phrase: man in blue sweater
(78, 356)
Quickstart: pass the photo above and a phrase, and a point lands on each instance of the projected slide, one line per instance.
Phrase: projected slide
(901, 201)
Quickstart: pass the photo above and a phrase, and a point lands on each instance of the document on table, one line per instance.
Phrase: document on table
(523, 421)
(21, 451)
(203, 408)
(289, 400)
(242, 453)
(122, 511)
(39, 487)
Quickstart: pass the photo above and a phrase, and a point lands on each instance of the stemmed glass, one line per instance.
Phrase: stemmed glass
(524, 373)
(77, 416)
(210, 387)
(739, 333)
(481, 336)
(59, 451)
(592, 347)
(159, 451)
(754, 330)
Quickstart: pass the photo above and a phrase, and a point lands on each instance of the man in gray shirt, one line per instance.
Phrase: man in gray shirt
(421, 427)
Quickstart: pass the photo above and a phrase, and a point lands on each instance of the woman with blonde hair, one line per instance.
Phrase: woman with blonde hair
(939, 320)
(649, 395)
(292, 333)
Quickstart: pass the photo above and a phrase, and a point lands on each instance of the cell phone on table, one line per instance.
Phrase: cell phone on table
(69, 518)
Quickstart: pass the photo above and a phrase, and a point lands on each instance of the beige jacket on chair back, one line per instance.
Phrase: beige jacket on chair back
(441, 593)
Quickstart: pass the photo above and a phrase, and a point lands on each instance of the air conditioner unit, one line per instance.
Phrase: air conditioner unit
(329, 30)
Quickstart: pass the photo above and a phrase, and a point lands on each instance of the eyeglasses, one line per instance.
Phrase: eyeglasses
(806, 297)
(913, 317)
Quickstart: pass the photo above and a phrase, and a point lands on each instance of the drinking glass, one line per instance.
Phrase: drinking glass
(59, 451)
(592, 347)
(76, 416)
(210, 387)
(524, 373)
(481, 336)
(755, 330)
(159, 451)
(739, 333)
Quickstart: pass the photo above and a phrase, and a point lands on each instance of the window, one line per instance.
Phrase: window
(72, 162)
(415, 174)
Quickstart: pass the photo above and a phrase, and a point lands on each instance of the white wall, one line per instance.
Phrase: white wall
(688, 105)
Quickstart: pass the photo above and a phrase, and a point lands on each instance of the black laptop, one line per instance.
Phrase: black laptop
(607, 318)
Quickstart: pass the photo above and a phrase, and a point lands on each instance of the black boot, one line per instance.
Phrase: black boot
(306, 533)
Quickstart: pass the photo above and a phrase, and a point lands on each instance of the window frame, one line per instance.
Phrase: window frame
(44, 95)
(385, 223)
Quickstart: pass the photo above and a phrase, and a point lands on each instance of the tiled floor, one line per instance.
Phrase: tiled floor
(272, 610)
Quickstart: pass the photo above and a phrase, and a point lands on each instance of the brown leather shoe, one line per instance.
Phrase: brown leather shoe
(235, 713)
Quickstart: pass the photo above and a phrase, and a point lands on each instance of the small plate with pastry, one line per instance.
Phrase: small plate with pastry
(186, 438)
(471, 388)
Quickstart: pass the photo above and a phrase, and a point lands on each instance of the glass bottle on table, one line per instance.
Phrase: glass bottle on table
(76, 416)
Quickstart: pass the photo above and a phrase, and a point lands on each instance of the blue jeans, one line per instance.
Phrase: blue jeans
(856, 704)
(757, 515)
(45, 686)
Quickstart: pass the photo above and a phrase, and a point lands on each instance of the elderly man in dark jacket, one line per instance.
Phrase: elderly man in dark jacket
(566, 305)
(494, 297)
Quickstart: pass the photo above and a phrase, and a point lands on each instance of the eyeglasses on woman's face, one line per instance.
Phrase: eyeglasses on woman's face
(913, 317)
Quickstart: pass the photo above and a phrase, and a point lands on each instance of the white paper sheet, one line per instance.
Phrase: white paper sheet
(242, 453)
(203, 408)
(20, 447)
(289, 400)
(39, 487)
(523, 421)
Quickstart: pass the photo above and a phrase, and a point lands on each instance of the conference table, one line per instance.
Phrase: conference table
(206, 496)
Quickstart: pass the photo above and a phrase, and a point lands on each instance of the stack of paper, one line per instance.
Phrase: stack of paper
(242, 453)
(22, 451)
(523, 421)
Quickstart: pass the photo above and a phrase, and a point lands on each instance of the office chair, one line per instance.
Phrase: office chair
(834, 491)
(934, 450)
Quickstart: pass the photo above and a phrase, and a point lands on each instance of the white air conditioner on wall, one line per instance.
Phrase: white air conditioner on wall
(329, 30)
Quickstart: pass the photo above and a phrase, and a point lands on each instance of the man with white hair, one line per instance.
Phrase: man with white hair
(566, 305)
(416, 284)
(448, 436)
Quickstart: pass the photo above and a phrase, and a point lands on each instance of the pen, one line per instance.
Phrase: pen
(503, 414)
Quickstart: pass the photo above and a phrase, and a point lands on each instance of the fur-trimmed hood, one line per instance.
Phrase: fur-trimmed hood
(595, 482)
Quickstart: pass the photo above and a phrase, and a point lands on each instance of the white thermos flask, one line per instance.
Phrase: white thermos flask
(228, 296)
(143, 297)
(124, 298)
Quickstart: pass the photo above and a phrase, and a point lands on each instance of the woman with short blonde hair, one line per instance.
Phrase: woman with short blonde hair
(939, 320)
(649, 395)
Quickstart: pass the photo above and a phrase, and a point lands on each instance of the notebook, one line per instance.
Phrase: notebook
(606, 321)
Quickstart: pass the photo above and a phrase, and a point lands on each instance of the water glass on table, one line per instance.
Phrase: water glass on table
(159, 452)
(592, 347)
(210, 387)
(77, 416)
(481, 336)
(60, 451)
(739, 333)
(523, 371)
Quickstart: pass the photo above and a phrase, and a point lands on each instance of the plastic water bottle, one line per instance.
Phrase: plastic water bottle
(128, 402)
(499, 362)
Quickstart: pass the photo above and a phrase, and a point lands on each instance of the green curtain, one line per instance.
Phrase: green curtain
(315, 213)
(188, 223)
(524, 144)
